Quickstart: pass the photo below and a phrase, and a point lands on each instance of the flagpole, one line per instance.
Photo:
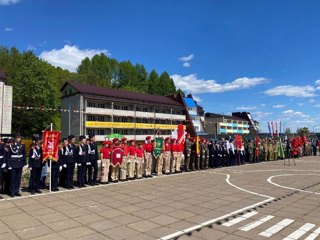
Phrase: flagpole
(51, 128)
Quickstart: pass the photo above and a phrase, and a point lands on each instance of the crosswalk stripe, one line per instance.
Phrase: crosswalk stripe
(257, 223)
(239, 219)
(276, 228)
(314, 235)
(300, 232)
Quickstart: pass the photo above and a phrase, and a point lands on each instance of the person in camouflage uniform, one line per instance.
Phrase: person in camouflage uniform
(206, 158)
(187, 152)
(251, 151)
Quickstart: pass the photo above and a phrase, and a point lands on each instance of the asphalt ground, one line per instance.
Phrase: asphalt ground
(267, 200)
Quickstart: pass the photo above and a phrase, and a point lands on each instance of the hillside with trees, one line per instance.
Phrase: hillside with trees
(36, 84)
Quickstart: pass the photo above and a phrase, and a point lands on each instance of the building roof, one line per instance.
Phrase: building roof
(214, 115)
(190, 102)
(121, 94)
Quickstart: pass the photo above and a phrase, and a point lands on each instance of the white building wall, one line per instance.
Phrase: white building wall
(5, 108)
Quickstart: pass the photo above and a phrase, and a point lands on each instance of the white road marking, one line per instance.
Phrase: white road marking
(291, 188)
(240, 219)
(257, 223)
(314, 235)
(276, 228)
(207, 223)
(300, 232)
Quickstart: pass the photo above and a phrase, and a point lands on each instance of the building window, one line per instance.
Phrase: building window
(101, 105)
(100, 131)
(91, 104)
(91, 118)
(101, 118)
(90, 131)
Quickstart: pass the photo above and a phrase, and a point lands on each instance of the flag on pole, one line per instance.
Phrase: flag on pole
(277, 134)
(272, 128)
(51, 145)
(269, 127)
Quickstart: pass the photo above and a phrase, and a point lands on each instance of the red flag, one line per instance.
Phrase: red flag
(181, 136)
(277, 129)
(272, 129)
(51, 145)
(238, 141)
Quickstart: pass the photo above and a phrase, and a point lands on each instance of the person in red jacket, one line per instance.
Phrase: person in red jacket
(123, 171)
(139, 160)
(131, 159)
(105, 154)
(148, 149)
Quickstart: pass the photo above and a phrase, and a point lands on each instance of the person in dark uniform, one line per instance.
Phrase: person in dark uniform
(35, 166)
(3, 164)
(69, 158)
(16, 161)
(193, 155)
(82, 160)
(6, 174)
(56, 167)
(93, 155)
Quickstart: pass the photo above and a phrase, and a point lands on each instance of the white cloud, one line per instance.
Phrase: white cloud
(8, 2)
(186, 58)
(300, 104)
(263, 105)
(292, 113)
(292, 91)
(279, 106)
(317, 105)
(198, 99)
(260, 115)
(186, 64)
(69, 57)
(191, 83)
(31, 48)
(311, 100)
(8, 29)
(246, 108)
(317, 82)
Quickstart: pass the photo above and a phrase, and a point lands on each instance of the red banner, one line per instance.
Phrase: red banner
(51, 145)
(238, 141)
(181, 137)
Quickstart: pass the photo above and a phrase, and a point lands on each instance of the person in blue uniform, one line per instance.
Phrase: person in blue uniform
(56, 167)
(16, 161)
(35, 166)
(82, 160)
(93, 156)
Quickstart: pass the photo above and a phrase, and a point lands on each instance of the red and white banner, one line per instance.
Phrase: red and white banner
(181, 136)
(50, 147)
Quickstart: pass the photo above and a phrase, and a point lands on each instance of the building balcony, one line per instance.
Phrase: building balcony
(127, 113)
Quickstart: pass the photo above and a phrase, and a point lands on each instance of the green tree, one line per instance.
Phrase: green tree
(153, 79)
(304, 131)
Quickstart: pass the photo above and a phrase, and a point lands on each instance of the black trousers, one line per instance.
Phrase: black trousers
(63, 177)
(54, 177)
(187, 162)
(15, 180)
(70, 172)
(93, 172)
(81, 175)
(35, 178)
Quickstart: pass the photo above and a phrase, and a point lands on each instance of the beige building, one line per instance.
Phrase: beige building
(102, 111)
(5, 106)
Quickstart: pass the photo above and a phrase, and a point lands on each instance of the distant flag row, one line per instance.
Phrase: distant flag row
(274, 128)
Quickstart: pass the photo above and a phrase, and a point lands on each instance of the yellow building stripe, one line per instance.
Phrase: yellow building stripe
(129, 125)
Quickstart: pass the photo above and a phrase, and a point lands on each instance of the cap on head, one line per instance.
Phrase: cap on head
(148, 137)
(115, 139)
(124, 139)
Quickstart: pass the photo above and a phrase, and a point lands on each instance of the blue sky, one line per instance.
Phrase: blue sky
(251, 55)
